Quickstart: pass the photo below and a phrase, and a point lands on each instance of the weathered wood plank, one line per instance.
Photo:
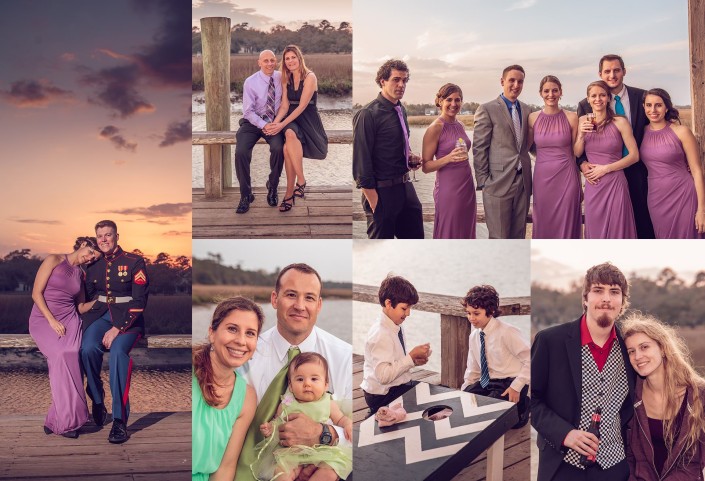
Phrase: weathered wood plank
(212, 137)
(454, 346)
(696, 33)
(152, 342)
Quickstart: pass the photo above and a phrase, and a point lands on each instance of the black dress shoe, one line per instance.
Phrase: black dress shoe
(244, 204)
(47, 430)
(99, 414)
(71, 434)
(118, 434)
(272, 197)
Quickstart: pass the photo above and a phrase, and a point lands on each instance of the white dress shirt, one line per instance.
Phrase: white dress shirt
(386, 365)
(271, 356)
(508, 355)
(624, 97)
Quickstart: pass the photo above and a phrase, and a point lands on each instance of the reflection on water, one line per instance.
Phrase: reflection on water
(336, 169)
(447, 267)
(27, 392)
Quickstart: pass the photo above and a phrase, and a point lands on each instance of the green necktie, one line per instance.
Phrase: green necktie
(619, 110)
(265, 410)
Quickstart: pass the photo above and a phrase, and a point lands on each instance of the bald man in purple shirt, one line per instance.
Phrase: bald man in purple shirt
(261, 98)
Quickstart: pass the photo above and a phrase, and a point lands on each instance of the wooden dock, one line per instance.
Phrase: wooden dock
(517, 442)
(326, 212)
(159, 449)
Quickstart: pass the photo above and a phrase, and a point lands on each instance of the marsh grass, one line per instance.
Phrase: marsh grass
(334, 72)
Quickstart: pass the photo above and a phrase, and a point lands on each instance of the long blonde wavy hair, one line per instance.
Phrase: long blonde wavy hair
(679, 373)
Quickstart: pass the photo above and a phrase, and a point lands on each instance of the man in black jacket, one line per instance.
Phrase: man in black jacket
(576, 368)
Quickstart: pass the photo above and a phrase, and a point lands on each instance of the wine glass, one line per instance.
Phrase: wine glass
(592, 118)
(414, 162)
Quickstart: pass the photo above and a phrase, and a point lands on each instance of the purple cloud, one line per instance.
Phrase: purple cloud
(34, 93)
(112, 133)
(176, 132)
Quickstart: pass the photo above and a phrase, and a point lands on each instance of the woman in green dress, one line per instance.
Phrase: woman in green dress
(223, 403)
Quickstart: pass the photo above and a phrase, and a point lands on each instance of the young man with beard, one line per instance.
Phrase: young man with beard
(576, 368)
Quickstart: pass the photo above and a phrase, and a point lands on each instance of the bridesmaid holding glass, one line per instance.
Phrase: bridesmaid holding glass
(676, 197)
(445, 151)
(557, 193)
(608, 207)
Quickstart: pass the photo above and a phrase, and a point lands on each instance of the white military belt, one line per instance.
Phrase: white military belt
(114, 300)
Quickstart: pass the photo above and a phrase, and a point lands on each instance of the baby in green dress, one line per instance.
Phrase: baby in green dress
(307, 394)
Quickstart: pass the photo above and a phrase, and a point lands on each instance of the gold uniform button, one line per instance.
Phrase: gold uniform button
(108, 270)
(107, 285)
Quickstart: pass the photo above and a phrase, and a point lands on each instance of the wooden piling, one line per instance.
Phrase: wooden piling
(696, 33)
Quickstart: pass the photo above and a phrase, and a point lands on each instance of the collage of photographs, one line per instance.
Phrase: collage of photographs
(407, 241)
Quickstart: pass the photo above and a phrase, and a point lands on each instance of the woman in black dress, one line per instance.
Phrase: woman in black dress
(298, 118)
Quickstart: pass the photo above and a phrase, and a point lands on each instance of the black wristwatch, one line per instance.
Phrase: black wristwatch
(326, 437)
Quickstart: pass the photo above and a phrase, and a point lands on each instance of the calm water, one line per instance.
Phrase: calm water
(27, 391)
(336, 114)
(442, 267)
(335, 318)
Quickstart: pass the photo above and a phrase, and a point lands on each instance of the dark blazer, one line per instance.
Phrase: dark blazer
(556, 385)
(636, 173)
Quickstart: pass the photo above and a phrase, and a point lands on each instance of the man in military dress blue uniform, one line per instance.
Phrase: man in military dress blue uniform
(119, 284)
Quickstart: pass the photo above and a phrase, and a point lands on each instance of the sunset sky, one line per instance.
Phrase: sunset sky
(469, 42)
(95, 105)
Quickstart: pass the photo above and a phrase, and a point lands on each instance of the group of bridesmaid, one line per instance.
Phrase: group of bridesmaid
(676, 186)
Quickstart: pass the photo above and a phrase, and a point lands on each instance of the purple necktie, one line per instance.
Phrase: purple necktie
(270, 100)
(407, 148)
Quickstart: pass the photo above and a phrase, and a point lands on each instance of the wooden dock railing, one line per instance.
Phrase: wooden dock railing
(455, 327)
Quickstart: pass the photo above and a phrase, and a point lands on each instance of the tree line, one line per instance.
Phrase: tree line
(212, 271)
(167, 274)
(668, 297)
(321, 38)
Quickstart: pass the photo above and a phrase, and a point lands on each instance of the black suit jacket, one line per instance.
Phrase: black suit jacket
(636, 174)
(556, 386)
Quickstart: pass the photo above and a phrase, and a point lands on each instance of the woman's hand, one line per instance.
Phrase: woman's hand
(597, 171)
(586, 126)
(266, 429)
(700, 221)
(58, 327)
(458, 154)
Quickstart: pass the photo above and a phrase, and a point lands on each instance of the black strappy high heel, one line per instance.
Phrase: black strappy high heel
(300, 190)
(286, 206)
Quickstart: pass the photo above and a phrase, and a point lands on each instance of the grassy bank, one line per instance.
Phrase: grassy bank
(207, 294)
(164, 314)
(334, 72)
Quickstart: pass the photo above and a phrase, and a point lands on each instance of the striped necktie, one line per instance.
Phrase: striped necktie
(517, 125)
(619, 110)
(407, 148)
(484, 370)
(270, 99)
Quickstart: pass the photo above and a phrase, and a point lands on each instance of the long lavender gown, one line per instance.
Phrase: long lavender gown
(608, 207)
(556, 188)
(672, 199)
(68, 410)
(454, 192)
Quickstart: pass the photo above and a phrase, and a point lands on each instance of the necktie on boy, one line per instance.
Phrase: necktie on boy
(619, 110)
(407, 148)
(265, 410)
(270, 99)
(484, 369)
(401, 340)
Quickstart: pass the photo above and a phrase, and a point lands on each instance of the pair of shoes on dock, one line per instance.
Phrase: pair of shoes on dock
(289, 202)
(68, 434)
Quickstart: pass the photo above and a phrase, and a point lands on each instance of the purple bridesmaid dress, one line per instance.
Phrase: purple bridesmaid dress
(454, 192)
(68, 410)
(556, 213)
(672, 199)
(608, 207)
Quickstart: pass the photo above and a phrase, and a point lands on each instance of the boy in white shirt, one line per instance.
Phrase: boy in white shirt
(498, 358)
(387, 362)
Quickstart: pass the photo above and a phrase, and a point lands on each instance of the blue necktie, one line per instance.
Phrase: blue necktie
(401, 339)
(619, 110)
(484, 370)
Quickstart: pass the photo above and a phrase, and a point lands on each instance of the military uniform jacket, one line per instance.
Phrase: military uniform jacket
(117, 275)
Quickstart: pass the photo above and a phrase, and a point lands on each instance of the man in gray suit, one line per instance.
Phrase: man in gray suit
(501, 158)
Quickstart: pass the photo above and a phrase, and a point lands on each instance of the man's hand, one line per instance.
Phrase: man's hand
(110, 336)
(582, 442)
(300, 429)
(586, 168)
(513, 395)
(272, 128)
(414, 161)
(372, 197)
(306, 472)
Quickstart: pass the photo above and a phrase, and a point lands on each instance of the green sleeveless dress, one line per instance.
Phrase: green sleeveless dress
(270, 454)
(211, 428)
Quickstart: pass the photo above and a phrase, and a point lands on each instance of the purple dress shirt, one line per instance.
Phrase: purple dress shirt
(254, 97)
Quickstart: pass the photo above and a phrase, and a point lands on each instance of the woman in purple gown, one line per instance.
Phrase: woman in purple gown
(557, 193)
(676, 197)
(56, 329)
(608, 207)
(445, 151)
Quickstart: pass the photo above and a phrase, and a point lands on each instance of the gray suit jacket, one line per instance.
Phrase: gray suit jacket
(495, 153)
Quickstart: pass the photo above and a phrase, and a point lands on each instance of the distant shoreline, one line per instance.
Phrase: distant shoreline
(212, 294)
